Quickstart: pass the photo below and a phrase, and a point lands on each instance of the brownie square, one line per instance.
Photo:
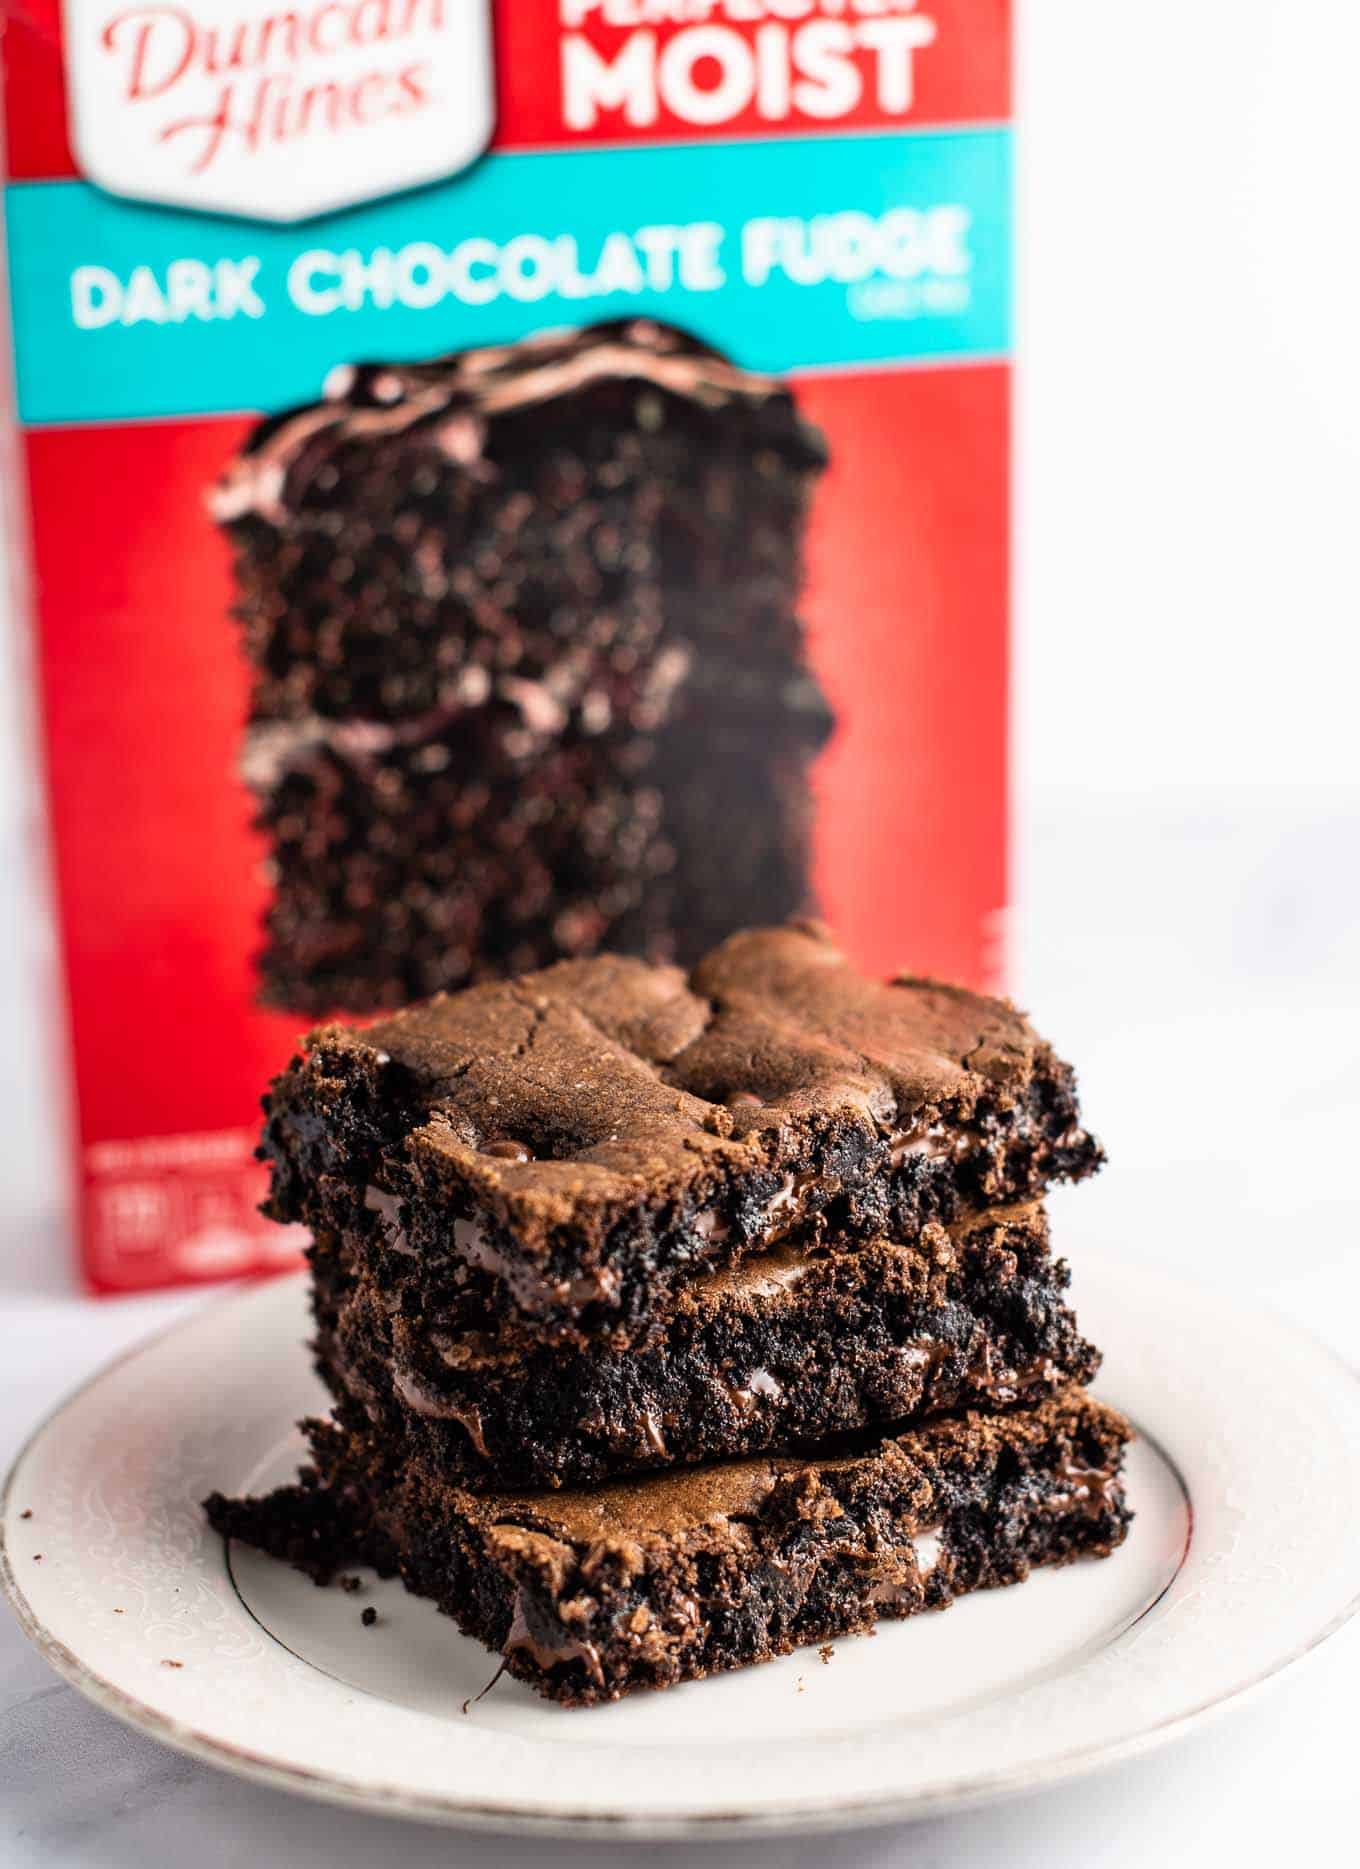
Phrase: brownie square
(590, 1595)
(790, 1348)
(571, 1146)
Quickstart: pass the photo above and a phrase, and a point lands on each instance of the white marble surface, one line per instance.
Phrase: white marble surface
(1201, 959)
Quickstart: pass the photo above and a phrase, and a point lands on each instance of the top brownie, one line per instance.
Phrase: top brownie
(568, 1145)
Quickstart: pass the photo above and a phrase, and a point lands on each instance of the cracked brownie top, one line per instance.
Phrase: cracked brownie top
(582, 1133)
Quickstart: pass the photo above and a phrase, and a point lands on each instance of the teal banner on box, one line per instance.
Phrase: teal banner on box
(789, 254)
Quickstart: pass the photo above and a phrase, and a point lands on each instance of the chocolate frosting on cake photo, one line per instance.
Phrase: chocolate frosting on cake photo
(522, 624)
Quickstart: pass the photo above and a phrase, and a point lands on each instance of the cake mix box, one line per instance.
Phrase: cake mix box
(499, 481)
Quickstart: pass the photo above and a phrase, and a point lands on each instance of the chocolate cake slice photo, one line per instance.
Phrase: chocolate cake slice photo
(520, 620)
(671, 1320)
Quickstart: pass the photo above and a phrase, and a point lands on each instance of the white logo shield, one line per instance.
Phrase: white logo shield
(275, 110)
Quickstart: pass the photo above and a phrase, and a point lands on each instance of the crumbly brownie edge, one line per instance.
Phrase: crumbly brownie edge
(788, 1351)
(589, 1596)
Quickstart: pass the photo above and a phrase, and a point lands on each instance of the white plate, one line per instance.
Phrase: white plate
(1244, 1554)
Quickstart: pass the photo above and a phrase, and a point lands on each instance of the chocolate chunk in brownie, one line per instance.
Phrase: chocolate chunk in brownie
(572, 1145)
(591, 1595)
(784, 1349)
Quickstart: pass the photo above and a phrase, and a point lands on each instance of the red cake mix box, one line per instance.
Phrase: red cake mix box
(499, 482)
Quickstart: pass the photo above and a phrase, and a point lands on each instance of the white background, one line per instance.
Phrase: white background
(1188, 818)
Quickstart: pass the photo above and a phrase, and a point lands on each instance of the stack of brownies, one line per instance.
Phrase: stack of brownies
(522, 623)
(675, 1321)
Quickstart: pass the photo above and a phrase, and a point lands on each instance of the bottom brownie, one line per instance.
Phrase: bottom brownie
(589, 1595)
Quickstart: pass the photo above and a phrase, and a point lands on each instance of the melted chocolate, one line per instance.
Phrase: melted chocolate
(422, 1400)
(453, 396)
(1090, 1492)
(551, 1653)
